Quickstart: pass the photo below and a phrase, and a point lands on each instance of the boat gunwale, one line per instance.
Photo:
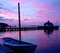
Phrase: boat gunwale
(26, 43)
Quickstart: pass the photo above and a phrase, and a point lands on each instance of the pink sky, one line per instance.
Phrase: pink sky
(38, 11)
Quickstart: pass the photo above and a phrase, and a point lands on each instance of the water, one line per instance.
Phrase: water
(46, 42)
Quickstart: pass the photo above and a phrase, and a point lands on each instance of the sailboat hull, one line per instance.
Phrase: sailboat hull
(17, 46)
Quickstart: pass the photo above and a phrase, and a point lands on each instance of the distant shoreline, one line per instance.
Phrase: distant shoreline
(30, 28)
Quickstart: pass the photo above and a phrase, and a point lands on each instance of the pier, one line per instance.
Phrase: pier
(31, 28)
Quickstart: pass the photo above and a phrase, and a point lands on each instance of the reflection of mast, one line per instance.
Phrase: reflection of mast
(57, 21)
(19, 22)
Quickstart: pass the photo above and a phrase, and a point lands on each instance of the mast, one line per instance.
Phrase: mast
(19, 20)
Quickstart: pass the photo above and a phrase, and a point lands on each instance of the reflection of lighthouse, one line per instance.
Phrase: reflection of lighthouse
(48, 32)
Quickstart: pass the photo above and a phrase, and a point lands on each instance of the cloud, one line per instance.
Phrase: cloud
(6, 13)
(34, 10)
(4, 19)
(8, 21)
(15, 1)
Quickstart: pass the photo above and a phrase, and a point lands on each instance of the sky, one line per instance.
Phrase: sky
(33, 12)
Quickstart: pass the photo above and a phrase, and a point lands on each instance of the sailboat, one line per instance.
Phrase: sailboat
(18, 45)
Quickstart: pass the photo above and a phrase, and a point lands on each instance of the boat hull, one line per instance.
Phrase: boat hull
(21, 47)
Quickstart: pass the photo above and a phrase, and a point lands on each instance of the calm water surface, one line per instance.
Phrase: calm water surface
(45, 43)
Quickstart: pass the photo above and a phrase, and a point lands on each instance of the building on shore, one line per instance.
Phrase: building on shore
(48, 24)
(3, 26)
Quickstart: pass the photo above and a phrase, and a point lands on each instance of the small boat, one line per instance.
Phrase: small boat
(19, 46)
(16, 45)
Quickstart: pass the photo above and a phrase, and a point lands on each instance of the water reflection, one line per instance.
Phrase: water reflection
(49, 31)
(38, 37)
(1, 33)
